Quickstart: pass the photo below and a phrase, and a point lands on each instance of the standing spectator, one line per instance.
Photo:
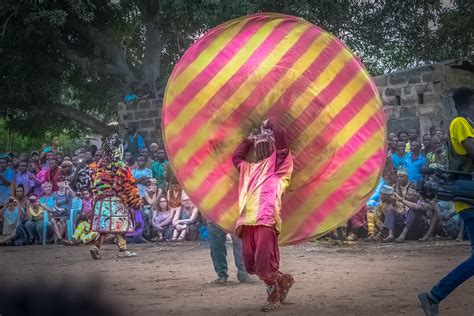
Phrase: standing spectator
(133, 141)
(34, 169)
(83, 177)
(34, 220)
(393, 145)
(129, 161)
(133, 95)
(403, 137)
(217, 243)
(69, 174)
(160, 169)
(53, 175)
(88, 157)
(148, 160)
(153, 148)
(95, 159)
(142, 175)
(437, 157)
(398, 158)
(7, 176)
(414, 161)
(426, 144)
(11, 215)
(25, 178)
(54, 148)
(59, 158)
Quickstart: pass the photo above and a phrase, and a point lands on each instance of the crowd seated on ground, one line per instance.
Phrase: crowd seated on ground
(46, 196)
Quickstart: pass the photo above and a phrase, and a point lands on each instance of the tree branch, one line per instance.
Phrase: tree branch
(82, 118)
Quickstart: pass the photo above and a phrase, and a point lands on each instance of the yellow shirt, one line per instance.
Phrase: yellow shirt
(459, 131)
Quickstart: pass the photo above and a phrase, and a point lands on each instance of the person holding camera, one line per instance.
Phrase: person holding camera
(460, 158)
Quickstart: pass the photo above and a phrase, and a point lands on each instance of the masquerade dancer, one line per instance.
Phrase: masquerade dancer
(115, 197)
(261, 186)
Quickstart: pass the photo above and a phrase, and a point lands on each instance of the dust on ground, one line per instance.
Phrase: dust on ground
(174, 278)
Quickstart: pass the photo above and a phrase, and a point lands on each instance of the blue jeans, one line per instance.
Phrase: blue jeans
(217, 242)
(463, 271)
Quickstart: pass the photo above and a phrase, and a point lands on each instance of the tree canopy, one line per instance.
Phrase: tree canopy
(66, 63)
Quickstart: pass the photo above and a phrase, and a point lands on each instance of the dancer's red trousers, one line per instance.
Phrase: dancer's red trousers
(260, 252)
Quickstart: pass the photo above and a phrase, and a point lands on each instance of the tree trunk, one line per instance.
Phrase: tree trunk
(82, 118)
(152, 56)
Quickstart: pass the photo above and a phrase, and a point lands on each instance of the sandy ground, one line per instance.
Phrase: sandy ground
(173, 279)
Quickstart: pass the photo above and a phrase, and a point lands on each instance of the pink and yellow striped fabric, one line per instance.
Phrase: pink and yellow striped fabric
(282, 66)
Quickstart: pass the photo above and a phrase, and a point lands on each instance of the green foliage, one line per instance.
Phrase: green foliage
(83, 54)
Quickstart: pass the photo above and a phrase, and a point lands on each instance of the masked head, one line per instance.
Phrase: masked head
(264, 144)
(113, 149)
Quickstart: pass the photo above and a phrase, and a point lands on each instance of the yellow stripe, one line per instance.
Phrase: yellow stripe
(175, 126)
(338, 141)
(178, 84)
(197, 141)
(241, 94)
(341, 100)
(323, 191)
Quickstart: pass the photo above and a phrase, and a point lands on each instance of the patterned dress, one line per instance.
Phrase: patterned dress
(115, 196)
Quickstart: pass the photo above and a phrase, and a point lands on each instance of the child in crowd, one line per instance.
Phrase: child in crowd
(83, 233)
(141, 175)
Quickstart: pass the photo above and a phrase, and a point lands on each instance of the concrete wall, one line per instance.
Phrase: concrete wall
(421, 97)
(434, 83)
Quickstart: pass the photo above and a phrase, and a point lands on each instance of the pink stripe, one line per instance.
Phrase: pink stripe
(361, 175)
(204, 77)
(337, 124)
(202, 118)
(326, 171)
(201, 44)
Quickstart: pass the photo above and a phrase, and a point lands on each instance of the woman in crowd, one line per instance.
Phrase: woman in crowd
(62, 208)
(11, 215)
(162, 220)
(185, 220)
(152, 195)
(83, 233)
(174, 194)
(34, 220)
(21, 198)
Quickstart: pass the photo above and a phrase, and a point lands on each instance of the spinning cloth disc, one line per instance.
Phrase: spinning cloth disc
(282, 66)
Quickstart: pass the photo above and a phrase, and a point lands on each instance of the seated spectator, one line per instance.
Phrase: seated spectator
(185, 220)
(133, 95)
(25, 178)
(83, 234)
(61, 210)
(377, 211)
(152, 195)
(34, 220)
(451, 222)
(134, 142)
(398, 158)
(174, 194)
(437, 157)
(142, 175)
(139, 221)
(162, 220)
(414, 161)
(405, 217)
(11, 215)
(47, 199)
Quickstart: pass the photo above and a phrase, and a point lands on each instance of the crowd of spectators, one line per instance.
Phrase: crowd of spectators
(57, 184)
(396, 212)
(49, 193)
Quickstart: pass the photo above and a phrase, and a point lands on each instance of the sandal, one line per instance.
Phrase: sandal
(126, 254)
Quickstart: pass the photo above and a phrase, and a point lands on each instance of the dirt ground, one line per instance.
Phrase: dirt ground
(173, 279)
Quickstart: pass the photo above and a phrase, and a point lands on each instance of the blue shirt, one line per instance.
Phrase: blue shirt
(414, 167)
(398, 161)
(5, 189)
(375, 198)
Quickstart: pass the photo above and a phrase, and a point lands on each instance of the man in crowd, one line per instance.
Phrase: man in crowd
(24, 177)
(414, 161)
(7, 176)
(426, 144)
(437, 157)
(133, 141)
(217, 243)
(461, 158)
(259, 222)
(142, 175)
(398, 158)
(54, 173)
(160, 169)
